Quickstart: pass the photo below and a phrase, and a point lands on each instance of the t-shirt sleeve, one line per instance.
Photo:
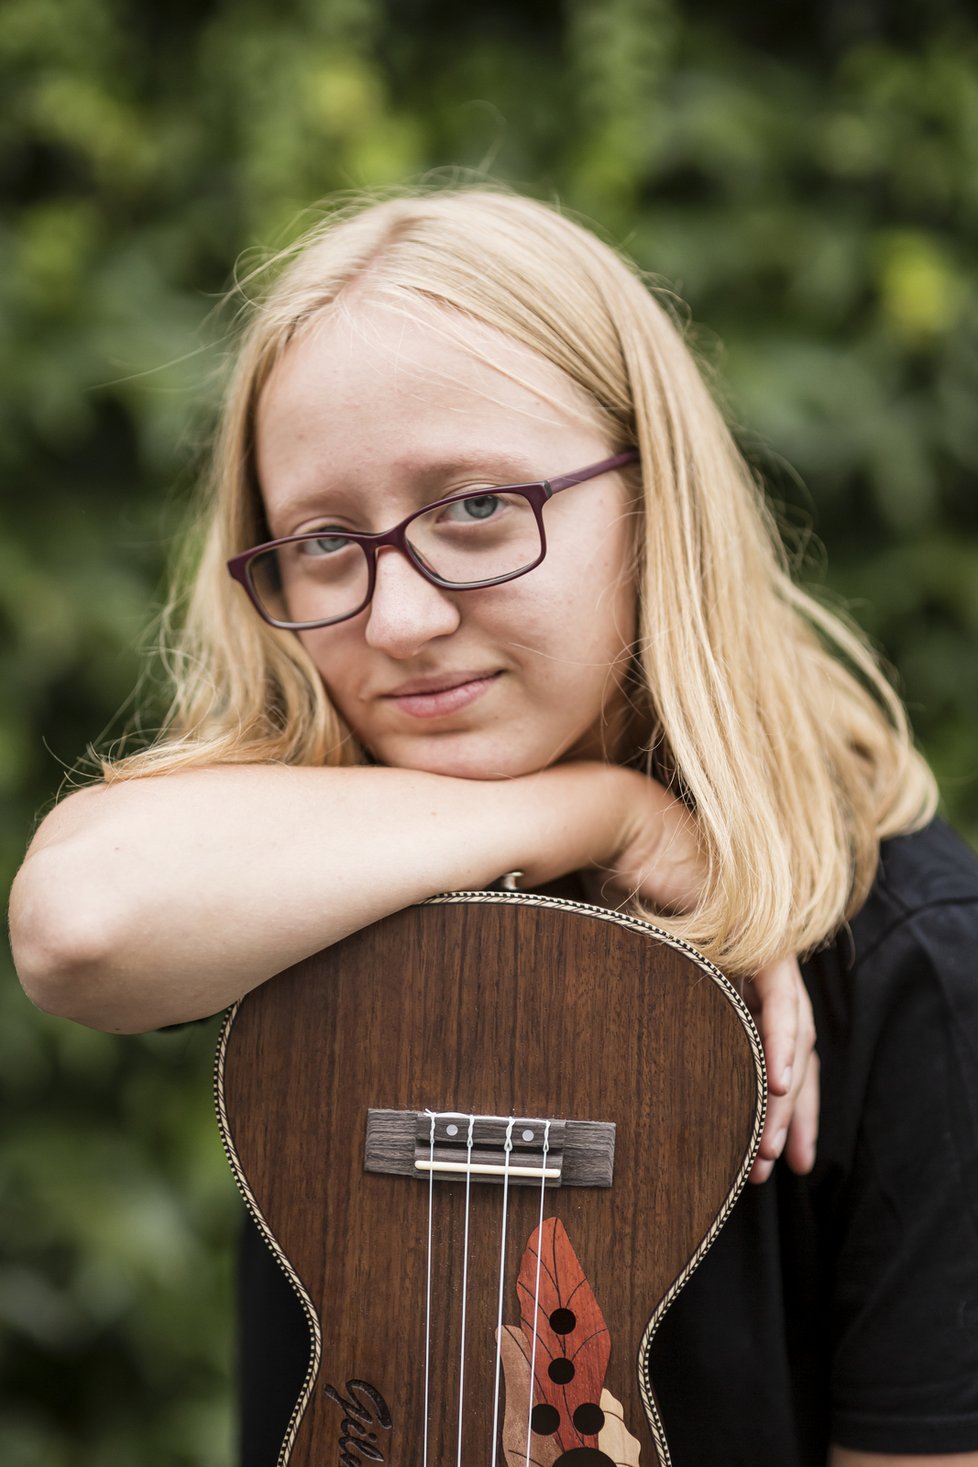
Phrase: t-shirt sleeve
(905, 1313)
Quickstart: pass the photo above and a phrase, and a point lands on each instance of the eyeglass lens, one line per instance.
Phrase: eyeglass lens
(476, 538)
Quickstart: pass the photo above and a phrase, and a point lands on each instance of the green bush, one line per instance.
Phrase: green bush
(813, 196)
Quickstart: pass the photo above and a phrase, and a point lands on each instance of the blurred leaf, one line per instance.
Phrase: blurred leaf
(811, 189)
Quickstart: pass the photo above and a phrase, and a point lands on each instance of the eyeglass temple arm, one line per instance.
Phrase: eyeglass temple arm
(617, 461)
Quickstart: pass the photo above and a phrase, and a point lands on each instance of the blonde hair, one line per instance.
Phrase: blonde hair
(766, 712)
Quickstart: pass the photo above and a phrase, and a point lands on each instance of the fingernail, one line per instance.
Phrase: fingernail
(778, 1142)
(786, 1078)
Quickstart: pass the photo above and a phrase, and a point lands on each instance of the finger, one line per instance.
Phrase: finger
(780, 1126)
(773, 1138)
(776, 995)
(777, 1127)
(781, 1110)
(791, 1125)
(802, 1136)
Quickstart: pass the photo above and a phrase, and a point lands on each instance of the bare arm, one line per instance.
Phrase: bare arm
(164, 899)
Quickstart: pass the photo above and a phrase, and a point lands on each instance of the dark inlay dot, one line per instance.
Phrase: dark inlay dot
(561, 1370)
(544, 1419)
(589, 1418)
(562, 1321)
(584, 1457)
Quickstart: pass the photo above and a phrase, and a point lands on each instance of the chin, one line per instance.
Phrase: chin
(462, 757)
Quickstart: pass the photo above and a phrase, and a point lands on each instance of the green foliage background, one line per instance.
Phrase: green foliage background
(806, 177)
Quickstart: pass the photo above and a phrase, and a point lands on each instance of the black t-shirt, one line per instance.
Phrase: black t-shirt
(839, 1307)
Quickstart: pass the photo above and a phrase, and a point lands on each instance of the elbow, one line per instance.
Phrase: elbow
(63, 947)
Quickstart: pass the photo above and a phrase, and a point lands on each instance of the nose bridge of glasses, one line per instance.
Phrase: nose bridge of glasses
(406, 608)
(398, 540)
(405, 555)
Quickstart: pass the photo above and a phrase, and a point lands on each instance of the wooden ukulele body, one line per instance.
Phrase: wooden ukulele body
(488, 1005)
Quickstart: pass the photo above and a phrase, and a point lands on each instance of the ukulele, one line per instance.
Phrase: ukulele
(488, 1139)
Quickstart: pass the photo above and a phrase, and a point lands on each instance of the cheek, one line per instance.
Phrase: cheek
(591, 559)
(335, 660)
(622, 601)
(593, 602)
(616, 613)
(573, 637)
(314, 644)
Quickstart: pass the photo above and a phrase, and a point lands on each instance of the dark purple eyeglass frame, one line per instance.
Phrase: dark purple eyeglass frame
(536, 495)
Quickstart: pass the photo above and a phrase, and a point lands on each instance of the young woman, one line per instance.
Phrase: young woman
(423, 672)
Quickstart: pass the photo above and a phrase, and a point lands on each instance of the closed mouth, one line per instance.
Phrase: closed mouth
(441, 696)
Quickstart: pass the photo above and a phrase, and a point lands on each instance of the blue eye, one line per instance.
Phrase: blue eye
(478, 507)
(482, 507)
(326, 545)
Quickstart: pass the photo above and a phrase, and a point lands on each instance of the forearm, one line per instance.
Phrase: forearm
(164, 899)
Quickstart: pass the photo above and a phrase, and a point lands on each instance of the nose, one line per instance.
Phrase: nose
(406, 611)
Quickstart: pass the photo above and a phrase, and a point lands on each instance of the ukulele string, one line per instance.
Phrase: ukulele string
(536, 1290)
(465, 1281)
(502, 1279)
(427, 1322)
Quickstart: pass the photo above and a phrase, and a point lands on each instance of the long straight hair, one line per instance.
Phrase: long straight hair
(763, 710)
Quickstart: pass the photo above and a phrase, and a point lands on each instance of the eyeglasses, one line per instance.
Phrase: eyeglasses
(462, 543)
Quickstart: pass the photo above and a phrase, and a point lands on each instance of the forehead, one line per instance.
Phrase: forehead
(419, 345)
(374, 382)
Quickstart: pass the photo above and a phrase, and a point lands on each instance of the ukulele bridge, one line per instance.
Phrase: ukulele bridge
(561, 1153)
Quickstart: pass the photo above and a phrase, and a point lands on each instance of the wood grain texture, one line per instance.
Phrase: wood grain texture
(516, 1376)
(496, 1005)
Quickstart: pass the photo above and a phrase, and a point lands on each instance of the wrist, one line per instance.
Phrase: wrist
(655, 852)
(570, 817)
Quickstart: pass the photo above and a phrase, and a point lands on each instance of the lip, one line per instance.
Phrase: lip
(434, 697)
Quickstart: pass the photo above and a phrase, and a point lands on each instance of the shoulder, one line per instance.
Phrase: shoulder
(924, 899)
(928, 868)
(895, 997)
(909, 950)
(896, 1014)
(896, 1183)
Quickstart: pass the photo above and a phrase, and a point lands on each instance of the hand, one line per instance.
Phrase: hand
(659, 859)
(656, 856)
(779, 1001)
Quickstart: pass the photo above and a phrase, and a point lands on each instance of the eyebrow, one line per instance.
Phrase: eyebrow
(419, 470)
